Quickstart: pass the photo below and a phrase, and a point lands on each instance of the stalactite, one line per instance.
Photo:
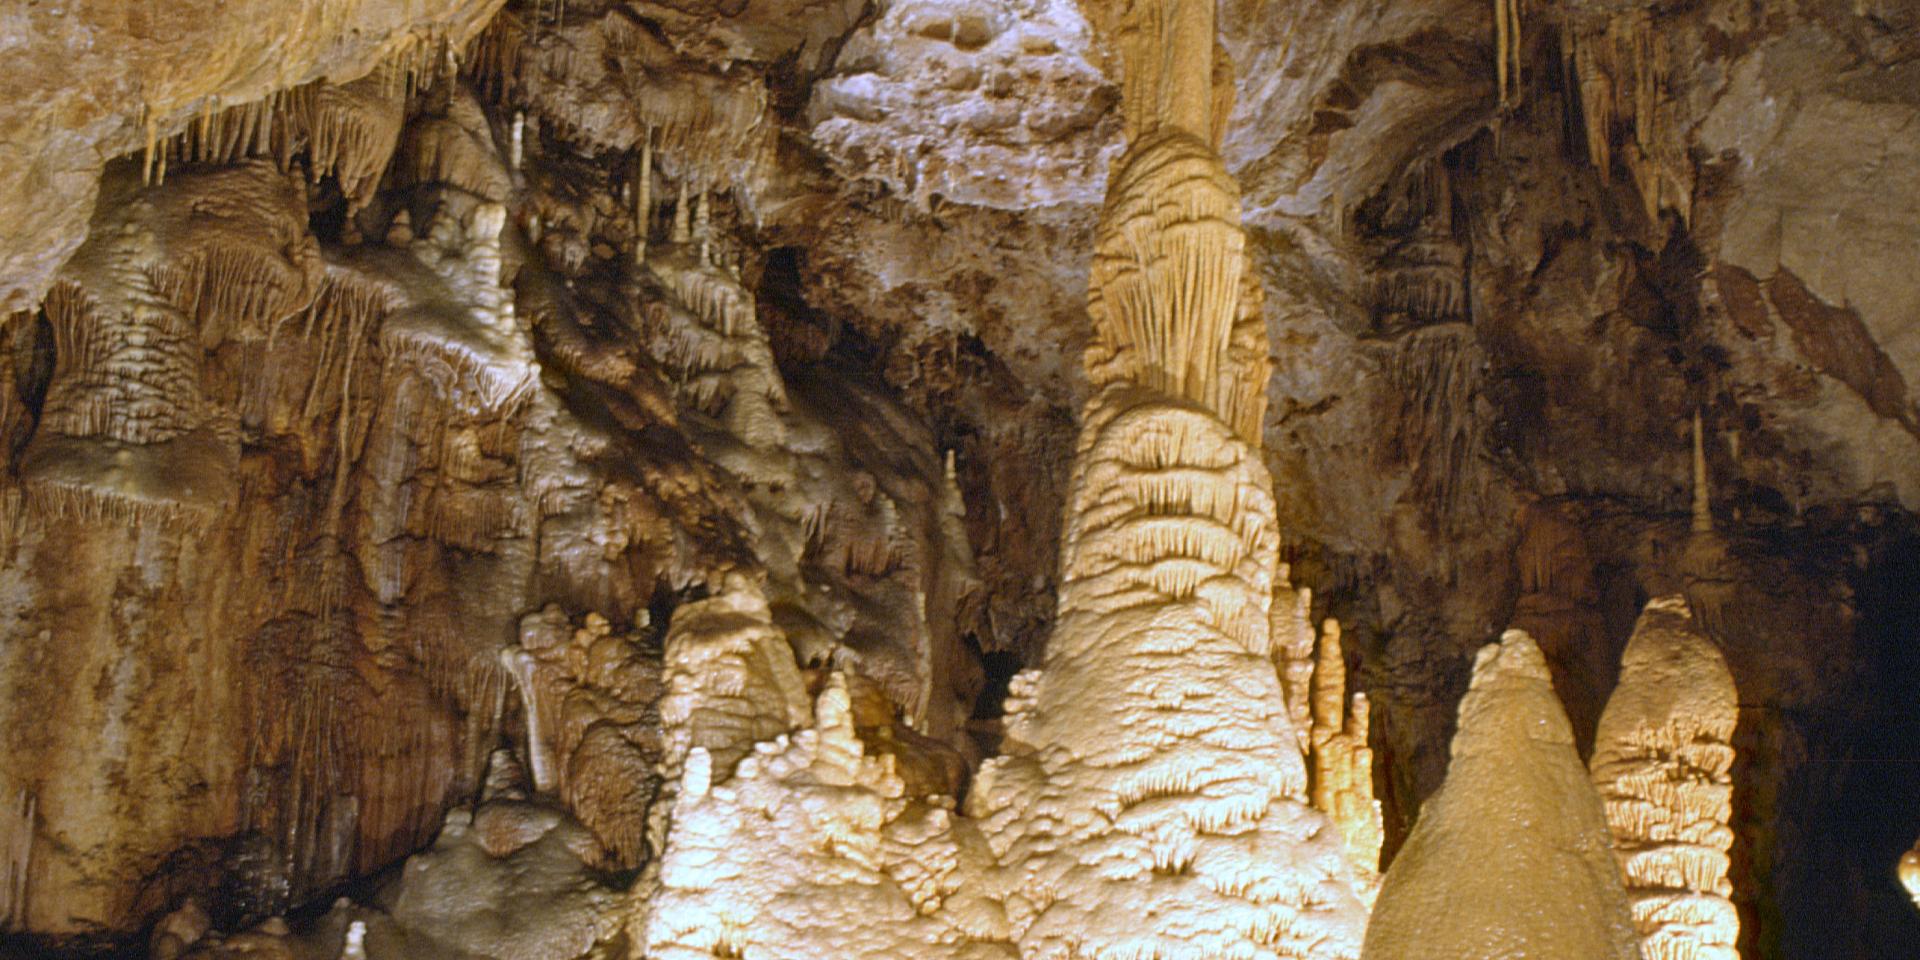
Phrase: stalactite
(1436, 370)
(1620, 73)
(1508, 49)
(494, 56)
(1170, 246)
(352, 131)
(1713, 577)
(1663, 760)
(643, 200)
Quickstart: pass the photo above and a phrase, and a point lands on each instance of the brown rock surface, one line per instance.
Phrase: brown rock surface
(297, 439)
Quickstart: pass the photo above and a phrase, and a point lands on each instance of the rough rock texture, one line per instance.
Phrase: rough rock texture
(88, 82)
(797, 290)
(1511, 856)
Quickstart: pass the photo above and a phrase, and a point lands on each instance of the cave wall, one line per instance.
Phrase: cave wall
(846, 364)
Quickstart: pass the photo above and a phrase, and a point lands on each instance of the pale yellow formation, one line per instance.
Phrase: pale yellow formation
(1511, 857)
(1621, 68)
(1339, 762)
(730, 680)
(811, 851)
(1151, 768)
(1506, 48)
(1663, 760)
(1294, 642)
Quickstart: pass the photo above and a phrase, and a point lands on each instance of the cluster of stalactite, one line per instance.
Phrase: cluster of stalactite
(292, 450)
(1618, 68)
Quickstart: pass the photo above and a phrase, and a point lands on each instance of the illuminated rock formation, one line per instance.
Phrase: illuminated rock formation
(924, 69)
(866, 568)
(1150, 768)
(1339, 762)
(1662, 761)
(730, 680)
(1511, 856)
(126, 429)
(810, 851)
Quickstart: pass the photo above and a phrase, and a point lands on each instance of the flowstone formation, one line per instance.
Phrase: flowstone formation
(1512, 856)
(1662, 760)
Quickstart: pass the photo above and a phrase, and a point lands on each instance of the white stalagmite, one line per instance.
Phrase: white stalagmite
(1662, 760)
(1511, 856)
(1153, 798)
(810, 852)
(516, 147)
(1152, 801)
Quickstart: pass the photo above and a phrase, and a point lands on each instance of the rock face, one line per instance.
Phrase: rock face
(99, 78)
(1662, 761)
(1511, 857)
(386, 385)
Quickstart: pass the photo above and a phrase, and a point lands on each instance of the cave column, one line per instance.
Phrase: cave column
(1152, 768)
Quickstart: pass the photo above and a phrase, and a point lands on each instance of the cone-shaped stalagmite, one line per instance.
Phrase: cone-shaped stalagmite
(1510, 857)
(1662, 760)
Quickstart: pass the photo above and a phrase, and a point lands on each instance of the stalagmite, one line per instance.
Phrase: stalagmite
(1151, 768)
(1339, 762)
(730, 679)
(810, 851)
(1511, 857)
(587, 692)
(1663, 760)
(703, 227)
